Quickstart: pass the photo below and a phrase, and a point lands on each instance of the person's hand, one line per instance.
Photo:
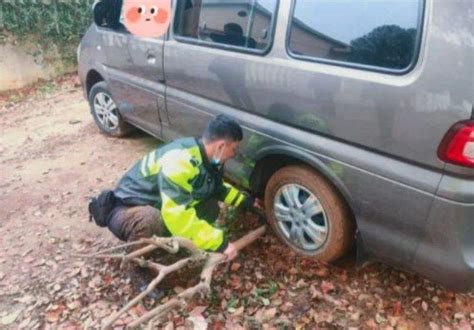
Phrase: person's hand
(230, 252)
(258, 204)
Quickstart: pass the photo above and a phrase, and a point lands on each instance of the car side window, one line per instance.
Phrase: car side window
(111, 16)
(245, 24)
(373, 33)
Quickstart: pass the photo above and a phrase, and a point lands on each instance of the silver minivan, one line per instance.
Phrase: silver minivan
(358, 115)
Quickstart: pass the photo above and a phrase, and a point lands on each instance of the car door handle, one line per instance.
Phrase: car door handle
(150, 57)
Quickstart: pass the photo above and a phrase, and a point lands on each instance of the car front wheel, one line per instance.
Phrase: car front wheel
(308, 214)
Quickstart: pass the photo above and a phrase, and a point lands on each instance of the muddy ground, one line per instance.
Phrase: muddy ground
(53, 159)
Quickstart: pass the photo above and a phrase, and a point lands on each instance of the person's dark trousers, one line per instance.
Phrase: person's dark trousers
(130, 223)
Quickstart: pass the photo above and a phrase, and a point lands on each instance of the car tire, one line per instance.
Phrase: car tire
(105, 112)
(308, 214)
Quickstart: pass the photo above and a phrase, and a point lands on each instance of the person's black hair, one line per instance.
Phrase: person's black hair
(223, 127)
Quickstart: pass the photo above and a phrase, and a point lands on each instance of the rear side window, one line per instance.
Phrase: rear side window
(371, 33)
(110, 15)
(245, 24)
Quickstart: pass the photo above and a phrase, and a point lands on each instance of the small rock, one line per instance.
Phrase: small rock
(74, 121)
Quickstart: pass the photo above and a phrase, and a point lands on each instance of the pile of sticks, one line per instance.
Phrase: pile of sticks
(209, 260)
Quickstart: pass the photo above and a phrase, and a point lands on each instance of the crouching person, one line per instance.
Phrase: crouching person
(175, 189)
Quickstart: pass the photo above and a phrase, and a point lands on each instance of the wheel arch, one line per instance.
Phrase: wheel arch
(271, 159)
(93, 77)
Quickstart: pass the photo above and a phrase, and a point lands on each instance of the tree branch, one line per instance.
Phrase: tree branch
(171, 245)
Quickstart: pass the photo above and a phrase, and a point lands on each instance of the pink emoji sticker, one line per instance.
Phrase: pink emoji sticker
(147, 18)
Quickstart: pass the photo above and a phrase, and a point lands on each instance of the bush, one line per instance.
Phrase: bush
(46, 22)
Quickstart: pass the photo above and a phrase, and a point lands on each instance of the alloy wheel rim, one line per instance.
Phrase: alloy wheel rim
(300, 217)
(106, 111)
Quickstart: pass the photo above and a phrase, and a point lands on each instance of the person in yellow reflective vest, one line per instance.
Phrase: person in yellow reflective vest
(175, 190)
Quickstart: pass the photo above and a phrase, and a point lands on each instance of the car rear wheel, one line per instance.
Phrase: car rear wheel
(308, 214)
(105, 112)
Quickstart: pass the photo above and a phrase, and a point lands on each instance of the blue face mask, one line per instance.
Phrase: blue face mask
(216, 160)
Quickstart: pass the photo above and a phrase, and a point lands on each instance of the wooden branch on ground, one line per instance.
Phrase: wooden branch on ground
(171, 245)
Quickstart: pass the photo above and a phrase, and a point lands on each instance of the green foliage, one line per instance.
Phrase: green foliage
(46, 22)
(266, 292)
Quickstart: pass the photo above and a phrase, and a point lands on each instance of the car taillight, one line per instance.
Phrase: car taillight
(457, 146)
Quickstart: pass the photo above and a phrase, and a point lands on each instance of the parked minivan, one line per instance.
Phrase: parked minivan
(358, 115)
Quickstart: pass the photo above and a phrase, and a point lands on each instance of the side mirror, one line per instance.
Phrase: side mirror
(107, 13)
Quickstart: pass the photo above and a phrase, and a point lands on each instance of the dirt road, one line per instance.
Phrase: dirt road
(53, 158)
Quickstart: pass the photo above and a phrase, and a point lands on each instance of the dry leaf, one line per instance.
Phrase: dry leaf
(269, 314)
(235, 267)
(53, 316)
(434, 326)
(424, 306)
(327, 287)
(259, 315)
(322, 272)
(371, 324)
(10, 318)
(198, 310)
(25, 299)
(464, 325)
(397, 308)
(235, 281)
(239, 311)
(379, 318)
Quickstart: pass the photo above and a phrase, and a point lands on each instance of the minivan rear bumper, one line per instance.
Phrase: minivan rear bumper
(446, 252)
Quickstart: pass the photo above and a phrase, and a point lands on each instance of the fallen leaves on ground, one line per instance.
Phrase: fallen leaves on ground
(265, 287)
